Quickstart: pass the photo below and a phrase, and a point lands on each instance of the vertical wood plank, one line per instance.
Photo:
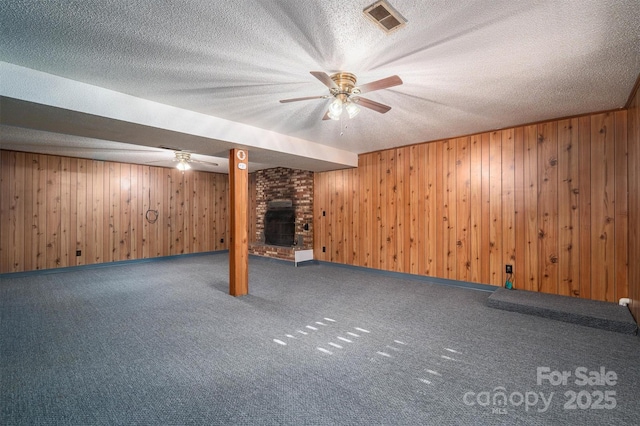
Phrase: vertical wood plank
(205, 187)
(463, 209)
(508, 200)
(29, 204)
(495, 208)
(441, 212)
(107, 246)
(347, 232)
(366, 172)
(167, 212)
(520, 213)
(174, 192)
(123, 242)
(317, 217)
(584, 205)
(40, 186)
(568, 213)
(486, 208)
(621, 221)
(476, 207)
(377, 222)
(388, 210)
(530, 164)
(115, 234)
(65, 223)
(5, 223)
(82, 209)
(422, 209)
(217, 214)
(17, 211)
(449, 208)
(150, 212)
(603, 206)
(53, 194)
(400, 199)
(355, 212)
(331, 214)
(434, 219)
(195, 243)
(347, 222)
(208, 212)
(88, 254)
(548, 206)
(178, 217)
(187, 210)
(413, 210)
(338, 216)
(73, 212)
(97, 217)
(225, 211)
(137, 212)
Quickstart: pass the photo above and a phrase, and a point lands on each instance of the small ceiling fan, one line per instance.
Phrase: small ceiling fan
(342, 87)
(183, 158)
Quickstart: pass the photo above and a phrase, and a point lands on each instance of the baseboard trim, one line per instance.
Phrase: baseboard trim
(9, 275)
(422, 278)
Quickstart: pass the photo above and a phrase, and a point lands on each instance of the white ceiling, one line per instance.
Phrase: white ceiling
(83, 77)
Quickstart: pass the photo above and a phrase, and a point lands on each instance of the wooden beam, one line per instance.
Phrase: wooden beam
(239, 242)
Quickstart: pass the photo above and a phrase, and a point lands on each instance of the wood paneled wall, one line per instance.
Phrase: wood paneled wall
(51, 206)
(549, 199)
(634, 205)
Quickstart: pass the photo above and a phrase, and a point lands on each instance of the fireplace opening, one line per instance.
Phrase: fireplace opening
(280, 223)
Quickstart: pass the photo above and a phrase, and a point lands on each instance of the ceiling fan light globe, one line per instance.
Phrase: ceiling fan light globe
(183, 165)
(333, 116)
(352, 109)
(335, 109)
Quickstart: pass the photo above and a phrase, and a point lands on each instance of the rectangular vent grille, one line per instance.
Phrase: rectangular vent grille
(385, 16)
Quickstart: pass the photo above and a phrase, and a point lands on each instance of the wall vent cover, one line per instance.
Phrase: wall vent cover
(385, 16)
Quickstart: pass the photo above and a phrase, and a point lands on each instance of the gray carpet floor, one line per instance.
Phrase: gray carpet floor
(163, 343)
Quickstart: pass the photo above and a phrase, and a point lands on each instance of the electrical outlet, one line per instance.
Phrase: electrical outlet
(221, 240)
(324, 249)
(509, 269)
(78, 252)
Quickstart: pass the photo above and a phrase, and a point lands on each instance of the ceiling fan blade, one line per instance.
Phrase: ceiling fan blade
(208, 163)
(368, 103)
(380, 84)
(90, 149)
(325, 79)
(284, 101)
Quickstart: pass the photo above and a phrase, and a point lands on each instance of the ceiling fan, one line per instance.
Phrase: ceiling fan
(183, 158)
(342, 87)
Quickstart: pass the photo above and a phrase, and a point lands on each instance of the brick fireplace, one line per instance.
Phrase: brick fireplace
(281, 187)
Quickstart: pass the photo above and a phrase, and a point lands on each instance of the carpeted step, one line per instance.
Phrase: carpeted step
(590, 313)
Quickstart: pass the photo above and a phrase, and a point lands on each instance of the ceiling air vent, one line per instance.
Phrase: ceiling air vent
(385, 16)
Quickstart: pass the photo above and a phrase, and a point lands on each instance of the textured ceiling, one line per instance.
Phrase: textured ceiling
(467, 66)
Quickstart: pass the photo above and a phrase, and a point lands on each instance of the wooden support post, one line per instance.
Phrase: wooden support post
(238, 213)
